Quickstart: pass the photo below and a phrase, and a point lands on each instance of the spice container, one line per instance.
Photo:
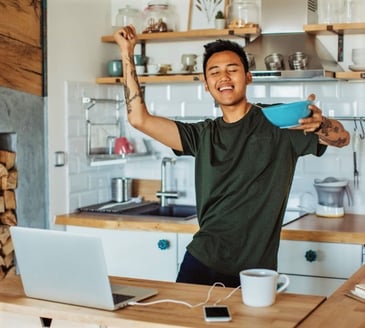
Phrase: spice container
(158, 17)
(121, 189)
(242, 13)
(129, 16)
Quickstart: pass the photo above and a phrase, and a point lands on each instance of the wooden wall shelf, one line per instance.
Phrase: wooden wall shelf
(339, 28)
(168, 78)
(244, 32)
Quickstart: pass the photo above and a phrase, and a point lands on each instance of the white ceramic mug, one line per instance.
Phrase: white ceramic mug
(259, 286)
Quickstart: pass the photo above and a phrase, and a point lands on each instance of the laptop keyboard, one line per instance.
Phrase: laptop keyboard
(118, 298)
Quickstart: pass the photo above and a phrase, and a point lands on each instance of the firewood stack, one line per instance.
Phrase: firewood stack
(8, 184)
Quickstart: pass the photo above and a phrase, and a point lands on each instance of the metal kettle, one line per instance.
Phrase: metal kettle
(331, 193)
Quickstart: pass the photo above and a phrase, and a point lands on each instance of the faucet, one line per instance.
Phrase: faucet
(163, 193)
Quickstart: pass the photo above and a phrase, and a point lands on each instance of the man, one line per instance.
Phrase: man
(244, 165)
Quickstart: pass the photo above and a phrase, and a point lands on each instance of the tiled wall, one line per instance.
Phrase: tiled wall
(88, 185)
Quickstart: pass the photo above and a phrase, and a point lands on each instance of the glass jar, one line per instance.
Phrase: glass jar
(129, 16)
(242, 13)
(158, 17)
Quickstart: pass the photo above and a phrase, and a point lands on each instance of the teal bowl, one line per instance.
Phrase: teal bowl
(287, 115)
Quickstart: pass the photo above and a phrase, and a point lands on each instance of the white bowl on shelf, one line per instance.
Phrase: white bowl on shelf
(358, 56)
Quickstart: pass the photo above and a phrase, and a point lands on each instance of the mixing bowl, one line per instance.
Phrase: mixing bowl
(287, 115)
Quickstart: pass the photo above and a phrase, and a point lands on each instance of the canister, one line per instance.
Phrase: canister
(121, 189)
(158, 17)
(242, 13)
(129, 16)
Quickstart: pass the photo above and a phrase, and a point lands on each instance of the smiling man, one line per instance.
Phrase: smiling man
(244, 165)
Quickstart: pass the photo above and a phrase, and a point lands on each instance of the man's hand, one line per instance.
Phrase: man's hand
(126, 38)
(314, 121)
(330, 131)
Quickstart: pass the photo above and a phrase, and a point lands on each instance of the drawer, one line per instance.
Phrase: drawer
(313, 285)
(319, 259)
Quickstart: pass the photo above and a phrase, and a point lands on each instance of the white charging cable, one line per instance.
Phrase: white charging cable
(188, 304)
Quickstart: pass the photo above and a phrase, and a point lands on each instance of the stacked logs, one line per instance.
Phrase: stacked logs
(8, 184)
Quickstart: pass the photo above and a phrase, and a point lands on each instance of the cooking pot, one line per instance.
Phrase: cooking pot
(274, 62)
(298, 60)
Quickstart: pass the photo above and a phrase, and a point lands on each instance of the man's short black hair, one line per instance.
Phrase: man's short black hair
(224, 45)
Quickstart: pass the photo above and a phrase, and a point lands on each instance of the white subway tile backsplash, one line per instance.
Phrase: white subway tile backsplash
(90, 185)
(285, 90)
(181, 92)
(257, 91)
(322, 89)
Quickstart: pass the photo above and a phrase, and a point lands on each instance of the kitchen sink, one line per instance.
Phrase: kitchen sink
(144, 209)
(171, 211)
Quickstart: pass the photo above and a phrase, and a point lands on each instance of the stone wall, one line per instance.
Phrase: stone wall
(24, 115)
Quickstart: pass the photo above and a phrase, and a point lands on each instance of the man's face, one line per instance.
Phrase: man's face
(226, 78)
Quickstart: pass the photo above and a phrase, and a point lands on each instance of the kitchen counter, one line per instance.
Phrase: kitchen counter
(288, 311)
(348, 229)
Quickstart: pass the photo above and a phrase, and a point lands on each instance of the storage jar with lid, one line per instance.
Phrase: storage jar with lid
(158, 17)
(242, 13)
(129, 16)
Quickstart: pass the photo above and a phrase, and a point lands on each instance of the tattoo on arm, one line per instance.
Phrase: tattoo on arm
(329, 131)
(129, 97)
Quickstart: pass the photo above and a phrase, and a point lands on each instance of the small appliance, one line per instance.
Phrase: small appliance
(331, 192)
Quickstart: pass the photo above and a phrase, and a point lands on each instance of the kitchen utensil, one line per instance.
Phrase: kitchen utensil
(287, 115)
(331, 193)
(139, 59)
(140, 69)
(259, 286)
(121, 189)
(164, 68)
(115, 67)
(122, 146)
(329, 11)
(158, 17)
(242, 13)
(129, 16)
(298, 60)
(189, 61)
(358, 56)
(152, 68)
(110, 140)
(355, 148)
(274, 62)
(251, 61)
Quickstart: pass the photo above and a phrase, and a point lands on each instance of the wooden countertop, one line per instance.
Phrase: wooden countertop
(339, 310)
(124, 222)
(348, 229)
(288, 311)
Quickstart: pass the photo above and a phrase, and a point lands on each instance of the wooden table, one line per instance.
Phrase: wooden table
(288, 311)
(339, 310)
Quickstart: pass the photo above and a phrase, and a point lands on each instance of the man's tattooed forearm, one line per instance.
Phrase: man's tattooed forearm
(128, 95)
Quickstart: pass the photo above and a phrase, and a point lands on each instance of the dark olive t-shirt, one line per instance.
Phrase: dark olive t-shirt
(243, 175)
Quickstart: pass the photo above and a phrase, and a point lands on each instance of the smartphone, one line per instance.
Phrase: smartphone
(217, 313)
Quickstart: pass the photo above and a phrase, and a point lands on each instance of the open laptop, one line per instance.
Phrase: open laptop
(69, 268)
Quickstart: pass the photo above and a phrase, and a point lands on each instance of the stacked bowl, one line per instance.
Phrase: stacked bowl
(358, 59)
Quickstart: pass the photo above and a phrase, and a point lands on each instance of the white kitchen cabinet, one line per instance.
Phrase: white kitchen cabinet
(317, 267)
(137, 254)
(183, 239)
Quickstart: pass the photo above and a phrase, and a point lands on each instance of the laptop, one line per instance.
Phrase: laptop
(69, 268)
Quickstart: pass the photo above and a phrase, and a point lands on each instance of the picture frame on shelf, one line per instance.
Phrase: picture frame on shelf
(202, 13)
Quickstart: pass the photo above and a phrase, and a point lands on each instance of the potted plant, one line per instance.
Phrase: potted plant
(220, 21)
